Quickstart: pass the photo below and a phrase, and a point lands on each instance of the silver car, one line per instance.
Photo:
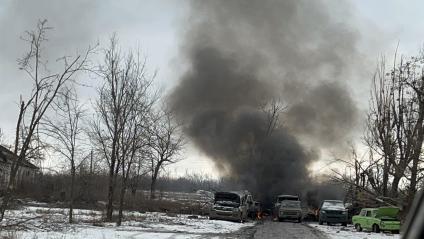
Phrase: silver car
(290, 210)
(232, 206)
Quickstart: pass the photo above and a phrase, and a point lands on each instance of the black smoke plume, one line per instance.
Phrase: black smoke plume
(242, 56)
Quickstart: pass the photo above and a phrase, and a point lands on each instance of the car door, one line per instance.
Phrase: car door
(360, 219)
(319, 210)
(250, 204)
(368, 219)
(243, 206)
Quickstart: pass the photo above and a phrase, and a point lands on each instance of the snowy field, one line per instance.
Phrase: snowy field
(50, 223)
(42, 222)
(349, 232)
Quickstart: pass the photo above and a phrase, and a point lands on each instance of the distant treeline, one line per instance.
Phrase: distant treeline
(91, 188)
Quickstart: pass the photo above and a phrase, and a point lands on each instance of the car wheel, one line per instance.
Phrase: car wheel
(299, 220)
(344, 224)
(375, 228)
(320, 222)
(358, 227)
(328, 224)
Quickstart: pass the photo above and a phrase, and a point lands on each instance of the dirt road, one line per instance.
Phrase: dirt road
(271, 229)
(289, 230)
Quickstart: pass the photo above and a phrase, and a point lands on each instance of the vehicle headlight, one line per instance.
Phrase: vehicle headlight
(382, 224)
(236, 209)
(344, 212)
(324, 212)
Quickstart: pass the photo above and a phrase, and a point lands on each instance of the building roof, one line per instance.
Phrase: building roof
(6, 156)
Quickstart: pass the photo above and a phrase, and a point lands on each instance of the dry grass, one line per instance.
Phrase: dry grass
(170, 206)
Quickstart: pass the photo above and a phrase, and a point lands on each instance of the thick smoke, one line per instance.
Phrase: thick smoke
(245, 54)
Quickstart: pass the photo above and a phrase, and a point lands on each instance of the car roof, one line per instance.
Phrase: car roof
(287, 195)
(239, 193)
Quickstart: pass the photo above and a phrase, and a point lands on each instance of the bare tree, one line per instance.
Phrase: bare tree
(134, 137)
(122, 98)
(380, 137)
(133, 141)
(361, 179)
(166, 142)
(408, 116)
(411, 73)
(273, 110)
(46, 87)
(396, 125)
(66, 131)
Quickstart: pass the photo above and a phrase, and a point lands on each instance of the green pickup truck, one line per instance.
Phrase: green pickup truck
(377, 219)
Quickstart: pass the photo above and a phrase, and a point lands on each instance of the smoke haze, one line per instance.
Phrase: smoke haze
(243, 55)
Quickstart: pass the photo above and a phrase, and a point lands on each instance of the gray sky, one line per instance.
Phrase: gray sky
(156, 28)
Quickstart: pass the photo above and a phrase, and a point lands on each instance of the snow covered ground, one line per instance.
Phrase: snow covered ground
(50, 223)
(349, 232)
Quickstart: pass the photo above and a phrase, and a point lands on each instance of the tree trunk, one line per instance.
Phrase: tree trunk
(413, 185)
(385, 176)
(153, 183)
(416, 156)
(5, 203)
(71, 201)
(121, 201)
(395, 185)
(123, 189)
(109, 207)
(153, 189)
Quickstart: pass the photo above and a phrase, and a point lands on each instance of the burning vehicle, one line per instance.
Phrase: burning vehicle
(288, 207)
(232, 206)
(255, 211)
(333, 211)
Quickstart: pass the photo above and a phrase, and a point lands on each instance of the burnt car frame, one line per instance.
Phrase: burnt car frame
(231, 206)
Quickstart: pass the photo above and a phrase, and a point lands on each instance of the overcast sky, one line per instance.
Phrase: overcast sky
(156, 27)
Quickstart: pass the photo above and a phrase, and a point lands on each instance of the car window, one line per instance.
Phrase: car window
(331, 204)
(284, 198)
(289, 203)
(368, 213)
(363, 213)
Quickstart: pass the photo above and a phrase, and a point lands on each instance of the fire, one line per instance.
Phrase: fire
(259, 215)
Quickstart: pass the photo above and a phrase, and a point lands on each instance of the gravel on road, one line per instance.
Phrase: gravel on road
(289, 230)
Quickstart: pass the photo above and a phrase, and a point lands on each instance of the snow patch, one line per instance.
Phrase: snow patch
(349, 232)
(51, 223)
